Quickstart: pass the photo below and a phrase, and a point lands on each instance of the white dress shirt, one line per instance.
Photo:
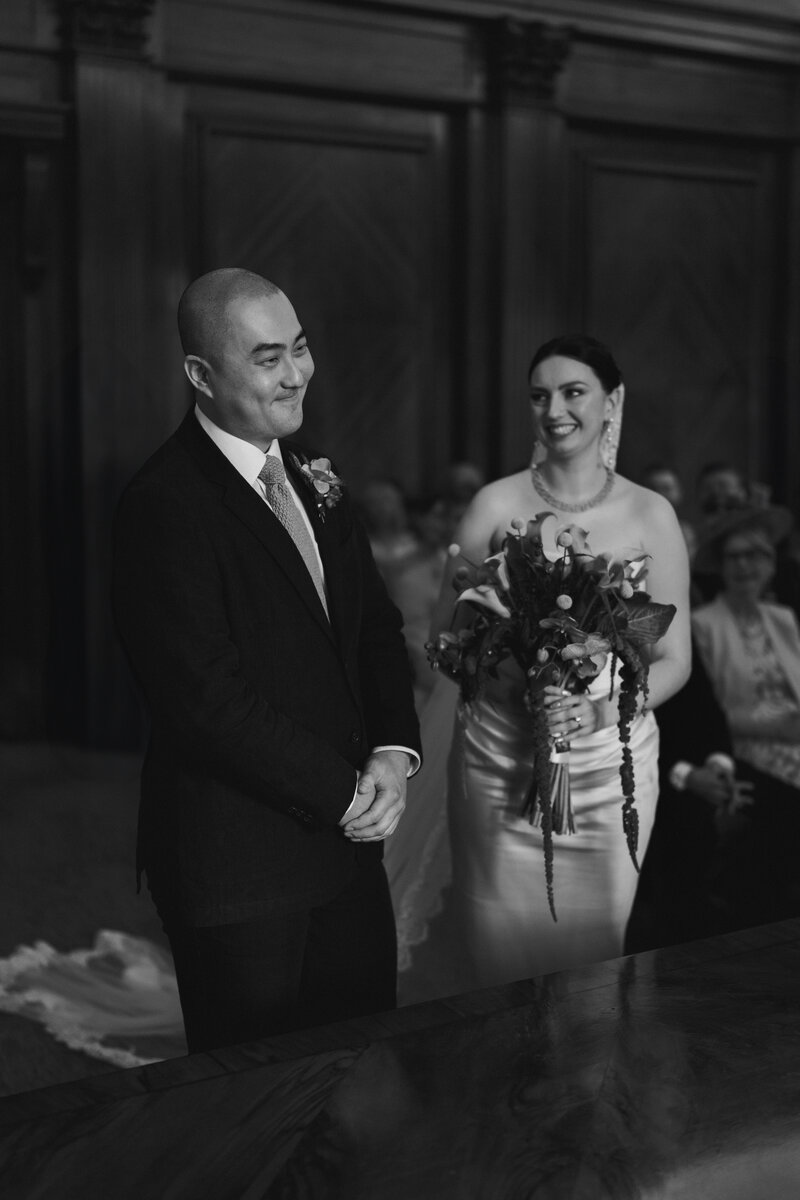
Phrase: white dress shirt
(248, 461)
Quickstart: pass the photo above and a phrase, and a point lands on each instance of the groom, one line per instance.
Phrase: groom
(273, 666)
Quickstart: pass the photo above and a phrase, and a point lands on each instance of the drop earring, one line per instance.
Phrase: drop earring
(538, 453)
(609, 442)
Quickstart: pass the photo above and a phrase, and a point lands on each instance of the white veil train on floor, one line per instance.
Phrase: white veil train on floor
(117, 1001)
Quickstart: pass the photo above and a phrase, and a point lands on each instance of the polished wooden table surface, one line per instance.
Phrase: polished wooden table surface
(671, 1074)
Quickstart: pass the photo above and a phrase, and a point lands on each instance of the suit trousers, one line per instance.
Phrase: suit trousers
(269, 975)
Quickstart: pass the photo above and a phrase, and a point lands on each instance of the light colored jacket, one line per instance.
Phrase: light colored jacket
(720, 643)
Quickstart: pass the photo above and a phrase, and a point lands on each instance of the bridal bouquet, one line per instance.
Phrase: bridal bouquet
(559, 620)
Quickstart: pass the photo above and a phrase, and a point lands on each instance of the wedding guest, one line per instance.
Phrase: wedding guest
(720, 486)
(751, 650)
(462, 482)
(409, 555)
(383, 508)
(661, 478)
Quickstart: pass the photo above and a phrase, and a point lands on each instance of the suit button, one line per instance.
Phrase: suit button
(355, 738)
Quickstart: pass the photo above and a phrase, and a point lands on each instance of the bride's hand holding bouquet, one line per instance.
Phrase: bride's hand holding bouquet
(560, 620)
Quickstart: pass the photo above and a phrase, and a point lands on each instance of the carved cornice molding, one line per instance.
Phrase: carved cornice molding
(525, 58)
(113, 27)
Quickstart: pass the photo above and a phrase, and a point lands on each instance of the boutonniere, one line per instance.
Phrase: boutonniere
(325, 484)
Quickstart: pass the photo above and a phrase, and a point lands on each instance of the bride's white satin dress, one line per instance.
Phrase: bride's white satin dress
(499, 889)
(499, 927)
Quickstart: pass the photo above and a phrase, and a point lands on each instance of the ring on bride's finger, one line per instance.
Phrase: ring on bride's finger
(577, 720)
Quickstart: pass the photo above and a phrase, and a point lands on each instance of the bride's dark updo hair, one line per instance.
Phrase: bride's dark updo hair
(585, 349)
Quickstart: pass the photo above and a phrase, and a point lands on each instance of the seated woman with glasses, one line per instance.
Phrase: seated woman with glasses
(750, 648)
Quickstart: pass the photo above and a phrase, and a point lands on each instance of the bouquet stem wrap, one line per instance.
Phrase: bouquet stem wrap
(560, 799)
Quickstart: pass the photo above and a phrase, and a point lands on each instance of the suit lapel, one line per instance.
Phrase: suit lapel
(243, 501)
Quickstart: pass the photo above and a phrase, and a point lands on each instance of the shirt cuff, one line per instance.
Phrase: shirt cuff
(414, 764)
(352, 802)
(678, 774)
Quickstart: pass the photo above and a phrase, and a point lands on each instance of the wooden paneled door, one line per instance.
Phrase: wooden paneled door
(40, 629)
(676, 266)
(345, 206)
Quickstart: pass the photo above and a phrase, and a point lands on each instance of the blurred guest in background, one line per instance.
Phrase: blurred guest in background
(664, 479)
(410, 554)
(462, 481)
(751, 651)
(720, 486)
(383, 508)
(661, 478)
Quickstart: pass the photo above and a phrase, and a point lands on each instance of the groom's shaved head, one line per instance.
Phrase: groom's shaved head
(204, 308)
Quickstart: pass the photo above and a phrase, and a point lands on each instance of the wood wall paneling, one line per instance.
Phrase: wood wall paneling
(22, 614)
(28, 81)
(320, 45)
(676, 272)
(786, 351)
(33, 495)
(766, 30)
(131, 390)
(349, 217)
(478, 402)
(529, 163)
(671, 91)
(431, 225)
(18, 22)
(534, 234)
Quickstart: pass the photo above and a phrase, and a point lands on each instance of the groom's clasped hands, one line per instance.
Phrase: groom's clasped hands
(380, 797)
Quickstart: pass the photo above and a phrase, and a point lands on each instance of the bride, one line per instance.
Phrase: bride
(498, 919)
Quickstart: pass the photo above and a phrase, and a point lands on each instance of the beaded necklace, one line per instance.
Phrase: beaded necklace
(538, 483)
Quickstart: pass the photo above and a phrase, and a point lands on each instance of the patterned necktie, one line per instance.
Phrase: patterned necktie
(273, 476)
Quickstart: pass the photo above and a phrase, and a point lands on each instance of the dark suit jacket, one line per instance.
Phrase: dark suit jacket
(691, 723)
(261, 709)
(673, 901)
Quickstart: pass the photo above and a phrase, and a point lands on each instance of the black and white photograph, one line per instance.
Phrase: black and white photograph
(400, 618)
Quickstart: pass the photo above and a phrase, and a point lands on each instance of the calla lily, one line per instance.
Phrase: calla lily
(610, 571)
(486, 597)
(574, 538)
(498, 567)
(636, 568)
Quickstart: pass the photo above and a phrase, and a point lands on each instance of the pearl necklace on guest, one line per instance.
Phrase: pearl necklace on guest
(598, 498)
